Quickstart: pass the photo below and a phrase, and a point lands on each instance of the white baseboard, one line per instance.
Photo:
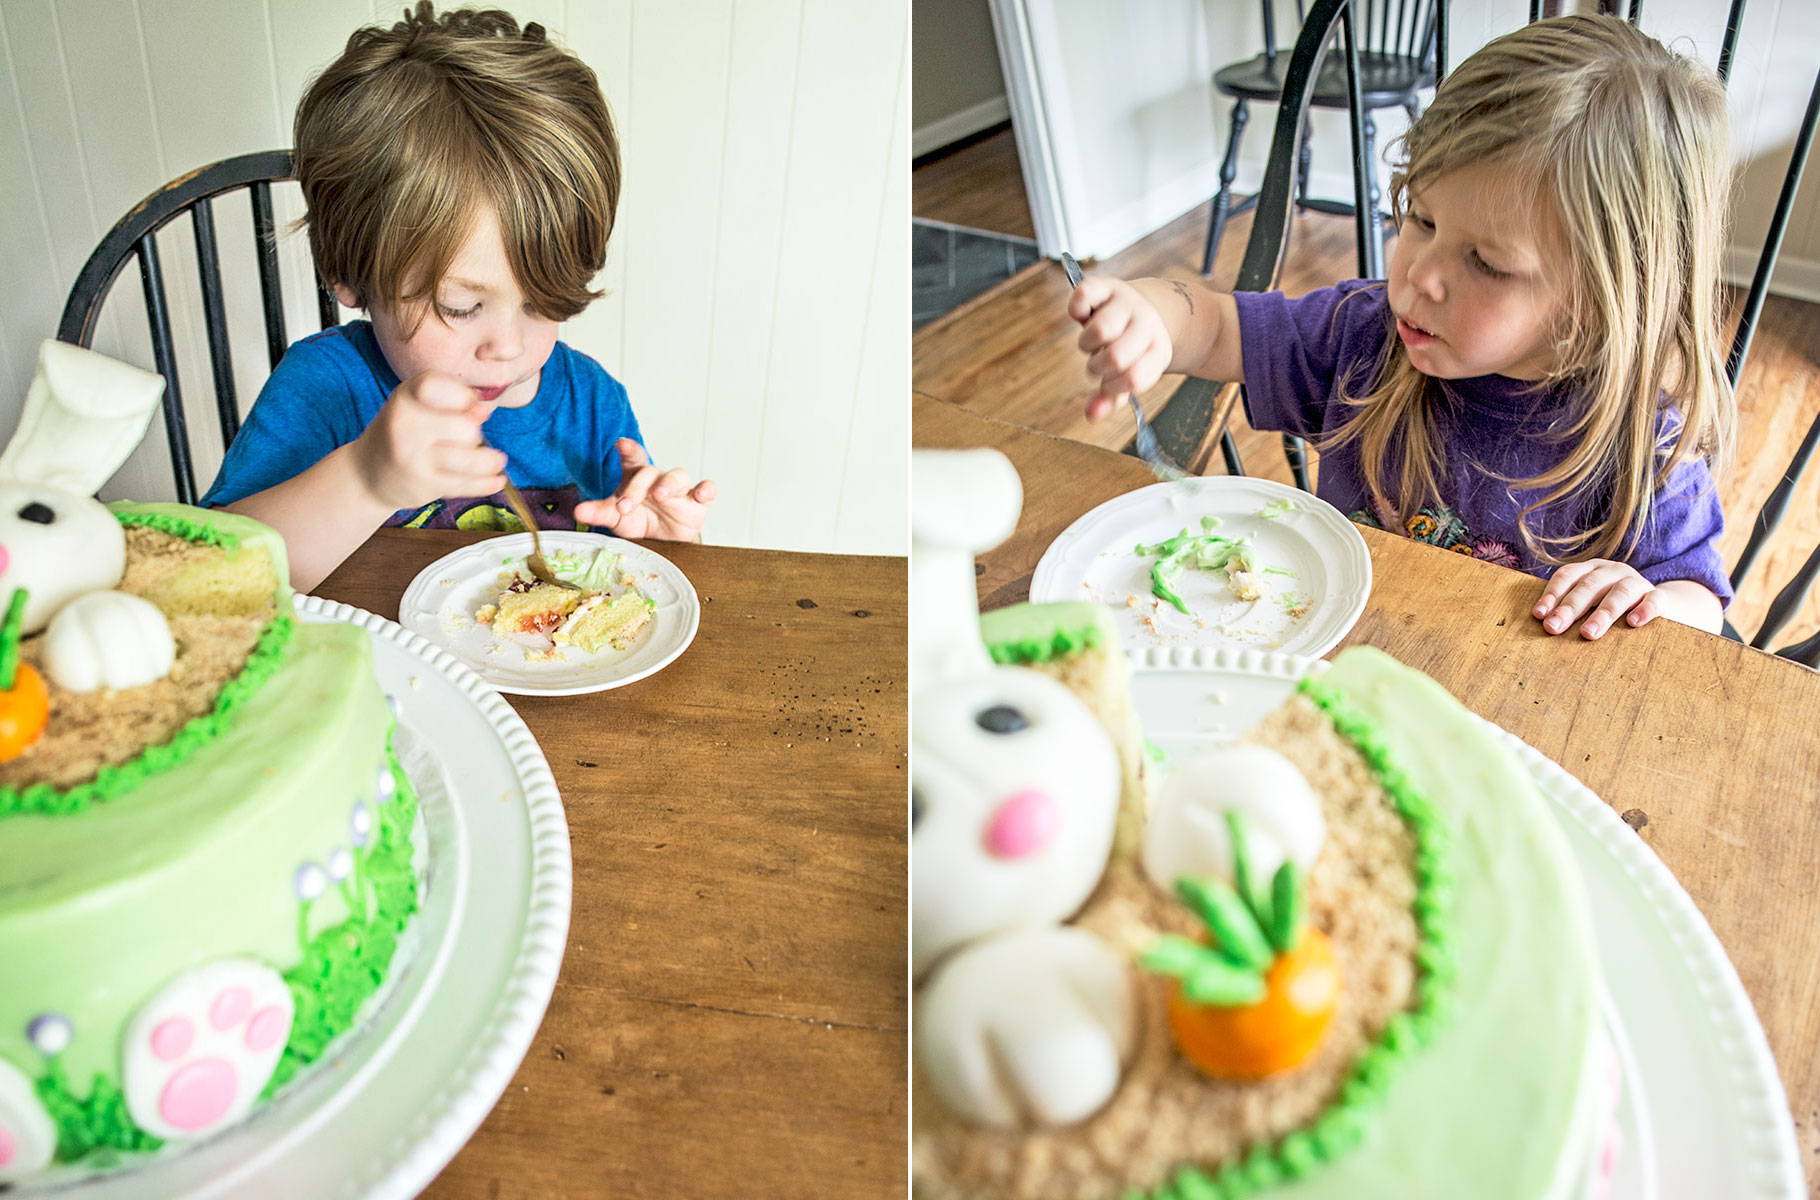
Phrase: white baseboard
(1797, 278)
(1163, 203)
(955, 126)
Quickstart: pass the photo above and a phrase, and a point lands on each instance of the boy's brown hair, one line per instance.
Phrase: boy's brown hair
(414, 129)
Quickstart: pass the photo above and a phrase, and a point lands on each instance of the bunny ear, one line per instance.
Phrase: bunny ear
(83, 416)
(961, 502)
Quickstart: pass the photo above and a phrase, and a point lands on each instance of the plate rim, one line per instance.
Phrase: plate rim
(473, 1086)
(1046, 577)
(1751, 1065)
(422, 582)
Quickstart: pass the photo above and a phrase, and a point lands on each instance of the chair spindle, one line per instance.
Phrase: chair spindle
(164, 359)
(271, 291)
(214, 319)
(1772, 246)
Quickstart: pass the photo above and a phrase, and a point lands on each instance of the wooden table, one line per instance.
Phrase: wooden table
(731, 1015)
(1709, 749)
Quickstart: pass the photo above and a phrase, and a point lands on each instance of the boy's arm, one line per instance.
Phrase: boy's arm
(425, 443)
(1135, 333)
(323, 514)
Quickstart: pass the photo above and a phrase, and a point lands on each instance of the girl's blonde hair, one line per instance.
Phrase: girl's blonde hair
(414, 129)
(1626, 140)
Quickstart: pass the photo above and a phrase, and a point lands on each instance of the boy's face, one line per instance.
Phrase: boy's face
(1475, 279)
(481, 331)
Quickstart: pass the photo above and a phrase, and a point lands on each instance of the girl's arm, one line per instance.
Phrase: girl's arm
(425, 443)
(1135, 333)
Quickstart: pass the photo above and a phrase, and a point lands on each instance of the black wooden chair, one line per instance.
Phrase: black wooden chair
(135, 236)
(1395, 61)
(1194, 410)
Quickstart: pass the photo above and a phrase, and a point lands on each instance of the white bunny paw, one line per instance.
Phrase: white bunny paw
(200, 1052)
(1032, 1026)
(27, 1137)
(108, 639)
(1188, 832)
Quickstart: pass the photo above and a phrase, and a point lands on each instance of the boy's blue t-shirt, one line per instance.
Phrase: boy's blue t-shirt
(327, 389)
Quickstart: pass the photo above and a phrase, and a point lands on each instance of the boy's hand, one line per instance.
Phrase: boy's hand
(650, 503)
(1127, 345)
(1609, 589)
(425, 444)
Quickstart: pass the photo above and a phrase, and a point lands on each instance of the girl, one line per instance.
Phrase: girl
(1538, 382)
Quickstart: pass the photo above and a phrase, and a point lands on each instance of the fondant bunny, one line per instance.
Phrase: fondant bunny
(83, 416)
(1014, 791)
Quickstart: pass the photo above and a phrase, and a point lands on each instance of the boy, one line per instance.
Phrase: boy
(461, 179)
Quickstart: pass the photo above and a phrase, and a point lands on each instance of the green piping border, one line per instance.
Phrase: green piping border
(1343, 1125)
(181, 527)
(113, 780)
(340, 969)
(1035, 648)
(117, 778)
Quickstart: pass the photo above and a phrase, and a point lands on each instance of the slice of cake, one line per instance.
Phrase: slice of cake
(603, 620)
(1077, 642)
(603, 610)
(535, 608)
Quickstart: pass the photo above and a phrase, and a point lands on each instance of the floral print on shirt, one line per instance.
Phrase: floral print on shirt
(1438, 525)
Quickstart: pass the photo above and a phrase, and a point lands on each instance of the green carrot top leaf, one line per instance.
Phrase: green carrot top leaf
(9, 639)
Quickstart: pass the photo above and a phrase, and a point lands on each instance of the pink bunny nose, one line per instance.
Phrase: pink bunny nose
(1022, 825)
(5, 559)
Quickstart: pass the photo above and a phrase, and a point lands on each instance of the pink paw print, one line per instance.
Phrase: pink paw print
(27, 1138)
(200, 1052)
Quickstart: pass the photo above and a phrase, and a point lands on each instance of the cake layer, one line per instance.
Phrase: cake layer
(99, 908)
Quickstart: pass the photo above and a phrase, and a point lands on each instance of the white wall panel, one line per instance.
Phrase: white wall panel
(1137, 130)
(756, 300)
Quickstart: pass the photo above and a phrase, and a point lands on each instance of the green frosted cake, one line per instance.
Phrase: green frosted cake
(1464, 1055)
(205, 864)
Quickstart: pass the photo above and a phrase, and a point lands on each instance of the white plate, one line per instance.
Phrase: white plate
(441, 602)
(1696, 1060)
(396, 1098)
(1095, 559)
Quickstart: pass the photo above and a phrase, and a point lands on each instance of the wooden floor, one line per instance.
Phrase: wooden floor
(980, 186)
(1010, 353)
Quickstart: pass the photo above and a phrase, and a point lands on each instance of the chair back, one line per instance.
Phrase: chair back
(1795, 592)
(1195, 404)
(135, 237)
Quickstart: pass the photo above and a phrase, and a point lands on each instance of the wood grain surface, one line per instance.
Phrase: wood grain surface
(1708, 749)
(731, 1014)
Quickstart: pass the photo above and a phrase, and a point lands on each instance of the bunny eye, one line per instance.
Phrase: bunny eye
(916, 808)
(38, 514)
(1002, 718)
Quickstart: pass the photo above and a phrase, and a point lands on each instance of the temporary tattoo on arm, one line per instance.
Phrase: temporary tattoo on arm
(1181, 289)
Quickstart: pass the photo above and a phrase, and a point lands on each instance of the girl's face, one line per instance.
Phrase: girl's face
(1475, 279)
(487, 336)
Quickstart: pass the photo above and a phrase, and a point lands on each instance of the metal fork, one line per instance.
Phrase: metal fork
(540, 566)
(1160, 464)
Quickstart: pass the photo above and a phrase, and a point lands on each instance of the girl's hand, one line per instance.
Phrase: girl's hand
(425, 444)
(1615, 589)
(1127, 345)
(650, 503)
